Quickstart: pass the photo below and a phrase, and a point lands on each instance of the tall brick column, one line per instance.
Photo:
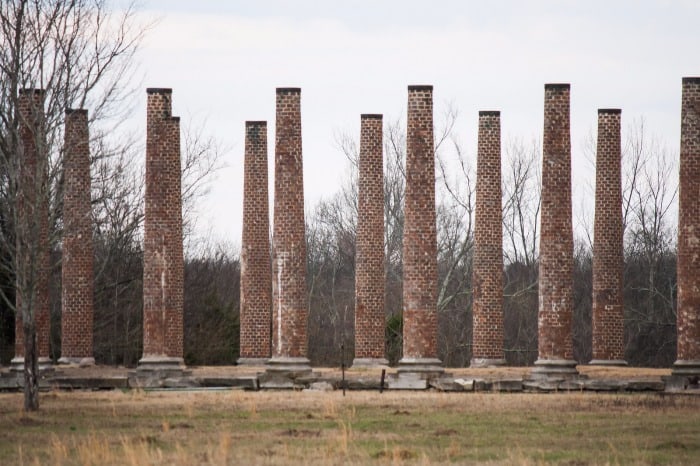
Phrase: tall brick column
(77, 259)
(688, 315)
(487, 276)
(32, 225)
(289, 295)
(370, 320)
(256, 274)
(420, 238)
(608, 318)
(163, 256)
(555, 346)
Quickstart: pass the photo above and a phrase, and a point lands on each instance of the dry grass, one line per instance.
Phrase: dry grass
(236, 427)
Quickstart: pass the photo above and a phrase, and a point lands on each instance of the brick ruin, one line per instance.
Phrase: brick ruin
(554, 333)
(33, 224)
(77, 257)
(487, 275)
(163, 261)
(289, 295)
(688, 266)
(370, 321)
(608, 316)
(256, 274)
(420, 238)
(273, 293)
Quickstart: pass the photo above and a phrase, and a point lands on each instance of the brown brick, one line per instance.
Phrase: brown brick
(289, 296)
(77, 258)
(419, 234)
(163, 255)
(556, 234)
(688, 315)
(33, 218)
(256, 275)
(608, 318)
(369, 254)
(487, 276)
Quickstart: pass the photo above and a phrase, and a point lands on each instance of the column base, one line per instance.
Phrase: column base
(44, 364)
(554, 368)
(78, 361)
(160, 363)
(607, 362)
(686, 368)
(291, 367)
(429, 367)
(369, 363)
(487, 362)
(252, 361)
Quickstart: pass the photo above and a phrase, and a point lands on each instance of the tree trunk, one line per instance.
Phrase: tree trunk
(31, 377)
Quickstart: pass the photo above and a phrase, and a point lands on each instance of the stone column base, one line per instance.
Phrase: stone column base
(291, 367)
(554, 368)
(607, 362)
(160, 363)
(487, 362)
(369, 363)
(82, 362)
(686, 368)
(429, 367)
(44, 364)
(252, 361)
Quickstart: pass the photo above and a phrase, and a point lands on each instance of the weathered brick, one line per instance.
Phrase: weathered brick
(608, 318)
(163, 254)
(256, 275)
(369, 251)
(688, 267)
(33, 219)
(289, 295)
(419, 234)
(555, 349)
(487, 276)
(77, 257)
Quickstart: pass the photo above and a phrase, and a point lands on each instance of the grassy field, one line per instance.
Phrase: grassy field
(235, 427)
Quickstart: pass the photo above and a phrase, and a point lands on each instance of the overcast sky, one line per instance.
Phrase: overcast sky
(225, 59)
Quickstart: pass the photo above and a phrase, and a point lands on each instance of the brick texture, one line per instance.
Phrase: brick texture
(556, 234)
(33, 219)
(77, 259)
(608, 329)
(289, 308)
(487, 276)
(419, 235)
(689, 227)
(256, 275)
(369, 253)
(163, 256)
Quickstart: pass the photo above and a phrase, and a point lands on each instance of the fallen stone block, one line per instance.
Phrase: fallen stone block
(646, 386)
(446, 384)
(322, 386)
(407, 381)
(507, 385)
(604, 385)
(467, 384)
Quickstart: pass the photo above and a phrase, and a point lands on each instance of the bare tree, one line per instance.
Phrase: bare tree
(80, 54)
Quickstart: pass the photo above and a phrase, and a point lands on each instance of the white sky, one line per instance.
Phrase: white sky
(225, 59)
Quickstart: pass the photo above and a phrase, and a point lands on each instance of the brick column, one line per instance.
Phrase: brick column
(370, 321)
(608, 313)
(289, 295)
(256, 275)
(688, 315)
(32, 227)
(163, 256)
(77, 258)
(487, 276)
(555, 347)
(420, 238)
